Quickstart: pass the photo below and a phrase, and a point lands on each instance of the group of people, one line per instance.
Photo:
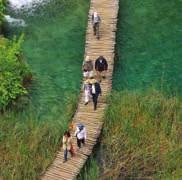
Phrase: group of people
(92, 90)
(91, 85)
(68, 147)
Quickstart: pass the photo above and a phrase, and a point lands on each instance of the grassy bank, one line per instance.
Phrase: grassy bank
(142, 138)
(28, 146)
(90, 170)
(54, 46)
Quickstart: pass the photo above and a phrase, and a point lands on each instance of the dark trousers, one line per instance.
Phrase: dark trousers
(94, 98)
(96, 29)
(80, 141)
(66, 154)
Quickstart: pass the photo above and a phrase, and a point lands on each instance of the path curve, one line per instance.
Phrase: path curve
(93, 120)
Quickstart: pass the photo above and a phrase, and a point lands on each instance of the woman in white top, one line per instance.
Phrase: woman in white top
(67, 145)
(87, 91)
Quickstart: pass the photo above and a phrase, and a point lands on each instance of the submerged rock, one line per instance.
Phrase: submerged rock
(14, 21)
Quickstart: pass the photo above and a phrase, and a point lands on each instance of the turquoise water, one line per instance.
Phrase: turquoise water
(54, 48)
(149, 41)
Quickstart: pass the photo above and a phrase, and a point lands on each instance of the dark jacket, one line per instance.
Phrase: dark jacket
(97, 88)
(101, 64)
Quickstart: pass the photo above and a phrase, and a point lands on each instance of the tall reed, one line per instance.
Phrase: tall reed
(142, 136)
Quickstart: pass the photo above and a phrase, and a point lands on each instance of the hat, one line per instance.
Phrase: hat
(92, 81)
(87, 58)
(87, 81)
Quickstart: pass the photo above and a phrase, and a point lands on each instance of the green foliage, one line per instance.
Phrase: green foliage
(12, 71)
(1, 11)
(90, 170)
(142, 136)
(27, 147)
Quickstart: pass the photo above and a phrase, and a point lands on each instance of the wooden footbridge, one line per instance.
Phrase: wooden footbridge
(93, 120)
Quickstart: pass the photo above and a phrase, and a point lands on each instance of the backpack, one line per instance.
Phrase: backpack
(80, 126)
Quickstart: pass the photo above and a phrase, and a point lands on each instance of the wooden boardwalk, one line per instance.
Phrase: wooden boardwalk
(93, 120)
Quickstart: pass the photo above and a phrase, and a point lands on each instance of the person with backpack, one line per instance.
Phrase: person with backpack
(101, 67)
(87, 67)
(80, 134)
(67, 145)
(96, 23)
(95, 91)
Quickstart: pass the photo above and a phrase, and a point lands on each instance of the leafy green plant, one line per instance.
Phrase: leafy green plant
(13, 71)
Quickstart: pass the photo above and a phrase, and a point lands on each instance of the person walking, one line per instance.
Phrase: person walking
(95, 91)
(87, 91)
(67, 145)
(87, 67)
(101, 67)
(80, 134)
(96, 23)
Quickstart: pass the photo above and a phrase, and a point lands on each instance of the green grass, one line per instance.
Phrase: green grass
(28, 146)
(142, 138)
(54, 47)
(90, 170)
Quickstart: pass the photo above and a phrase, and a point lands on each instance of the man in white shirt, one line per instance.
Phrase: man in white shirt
(96, 20)
(80, 134)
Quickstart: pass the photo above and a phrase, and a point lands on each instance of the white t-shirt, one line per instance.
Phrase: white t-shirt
(81, 134)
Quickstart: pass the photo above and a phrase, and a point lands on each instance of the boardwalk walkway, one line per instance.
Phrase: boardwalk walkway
(93, 120)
